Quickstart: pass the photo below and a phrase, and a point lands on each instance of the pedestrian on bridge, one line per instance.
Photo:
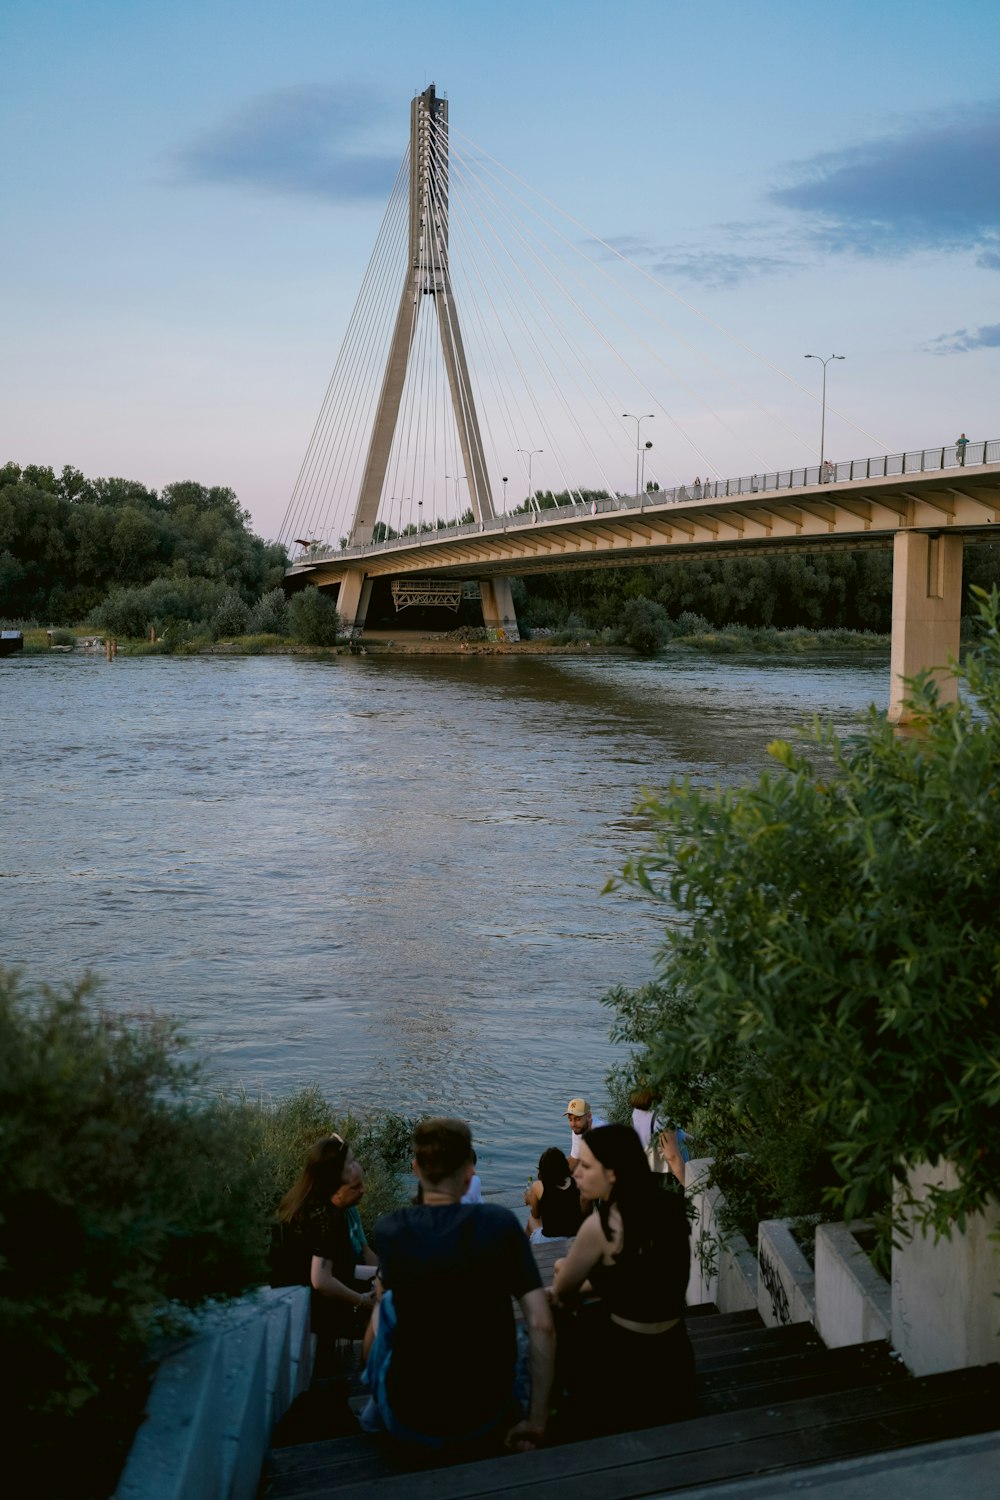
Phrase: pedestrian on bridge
(961, 443)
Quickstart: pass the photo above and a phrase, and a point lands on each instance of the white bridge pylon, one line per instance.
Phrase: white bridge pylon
(427, 275)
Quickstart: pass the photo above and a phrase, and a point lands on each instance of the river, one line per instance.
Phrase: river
(380, 875)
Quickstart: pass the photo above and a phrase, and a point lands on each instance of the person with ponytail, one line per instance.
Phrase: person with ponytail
(318, 1239)
(628, 1361)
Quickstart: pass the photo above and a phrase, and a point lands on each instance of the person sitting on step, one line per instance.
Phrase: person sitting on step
(442, 1351)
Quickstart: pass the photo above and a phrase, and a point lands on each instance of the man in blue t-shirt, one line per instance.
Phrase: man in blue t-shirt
(443, 1355)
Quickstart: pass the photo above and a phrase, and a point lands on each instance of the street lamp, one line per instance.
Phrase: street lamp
(420, 523)
(822, 420)
(530, 453)
(458, 493)
(646, 417)
(399, 513)
(642, 480)
(503, 481)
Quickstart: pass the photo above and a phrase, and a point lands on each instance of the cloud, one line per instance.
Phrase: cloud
(313, 139)
(962, 340)
(710, 267)
(932, 186)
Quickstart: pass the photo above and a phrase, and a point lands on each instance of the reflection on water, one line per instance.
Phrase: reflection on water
(378, 875)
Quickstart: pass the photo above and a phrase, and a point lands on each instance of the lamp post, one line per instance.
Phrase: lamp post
(458, 481)
(530, 453)
(420, 523)
(399, 513)
(642, 475)
(822, 419)
(646, 417)
(503, 481)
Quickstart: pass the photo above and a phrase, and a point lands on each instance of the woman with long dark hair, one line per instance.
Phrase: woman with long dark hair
(634, 1253)
(554, 1199)
(319, 1239)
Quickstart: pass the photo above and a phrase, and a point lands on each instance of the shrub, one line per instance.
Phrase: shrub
(838, 963)
(119, 1195)
(313, 618)
(269, 615)
(125, 612)
(231, 616)
(645, 626)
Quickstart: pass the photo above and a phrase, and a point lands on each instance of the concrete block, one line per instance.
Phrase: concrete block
(723, 1266)
(177, 1454)
(279, 1361)
(853, 1302)
(946, 1293)
(738, 1276)
(243, 1431)
(786, 1285)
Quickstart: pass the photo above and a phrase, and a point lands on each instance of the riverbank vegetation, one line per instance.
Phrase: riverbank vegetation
(68, 543)
(826, 1012)
(124, 560)
(129, 1196)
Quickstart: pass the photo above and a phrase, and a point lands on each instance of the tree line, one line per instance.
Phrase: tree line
(834, 589)
(124, 556)
(69, 543)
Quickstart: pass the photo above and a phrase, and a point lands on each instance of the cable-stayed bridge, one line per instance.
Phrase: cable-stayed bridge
(457, 368)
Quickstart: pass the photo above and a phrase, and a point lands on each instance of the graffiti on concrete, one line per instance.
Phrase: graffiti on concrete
(771, 1279)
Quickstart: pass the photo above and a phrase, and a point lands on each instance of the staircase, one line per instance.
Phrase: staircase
(770, 1401)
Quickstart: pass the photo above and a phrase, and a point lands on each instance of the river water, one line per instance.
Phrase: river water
(382, 876)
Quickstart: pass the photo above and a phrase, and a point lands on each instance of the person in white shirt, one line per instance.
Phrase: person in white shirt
(581, 1119)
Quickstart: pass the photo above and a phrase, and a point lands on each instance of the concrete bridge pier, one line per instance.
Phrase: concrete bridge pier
(926, 613)
(498, 607)
(353, 597)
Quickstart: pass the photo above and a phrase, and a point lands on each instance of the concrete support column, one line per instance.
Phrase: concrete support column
(352, 600)
(498, 607)
(926, 612)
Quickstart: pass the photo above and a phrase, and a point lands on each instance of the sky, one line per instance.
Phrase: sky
(192, 189)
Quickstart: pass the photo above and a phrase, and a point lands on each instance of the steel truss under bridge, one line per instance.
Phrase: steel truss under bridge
(448, 594)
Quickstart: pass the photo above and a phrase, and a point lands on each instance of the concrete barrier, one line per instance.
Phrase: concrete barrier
(723, 1266)
(946, 1293)
(786, 1284)
(216, 1400)
(853, 1302)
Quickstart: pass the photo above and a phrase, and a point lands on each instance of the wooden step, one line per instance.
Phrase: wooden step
(703, 1451)
(840, 1370)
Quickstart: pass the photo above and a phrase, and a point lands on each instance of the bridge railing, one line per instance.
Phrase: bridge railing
(884, 466)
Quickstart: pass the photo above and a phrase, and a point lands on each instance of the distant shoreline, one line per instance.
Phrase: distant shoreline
(734, 641)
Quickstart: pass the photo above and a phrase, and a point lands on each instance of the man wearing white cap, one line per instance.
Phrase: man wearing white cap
(581, 1119)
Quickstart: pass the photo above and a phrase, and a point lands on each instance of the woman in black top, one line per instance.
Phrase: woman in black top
(554, 1199)
(634, 1253)
(319, 1240)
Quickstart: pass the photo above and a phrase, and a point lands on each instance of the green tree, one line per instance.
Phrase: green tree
(313, 618)
(840, 934)
(269, 615)
(645, 626)
(231, 616)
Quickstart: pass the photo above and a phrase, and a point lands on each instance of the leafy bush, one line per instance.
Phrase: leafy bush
(119, 1195)
(313, 618)
(645, 626)
(231, 616)
(125, 612)
(269, 615)
(838, 969)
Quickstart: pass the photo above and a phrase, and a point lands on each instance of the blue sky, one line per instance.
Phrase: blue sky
(192, 190)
